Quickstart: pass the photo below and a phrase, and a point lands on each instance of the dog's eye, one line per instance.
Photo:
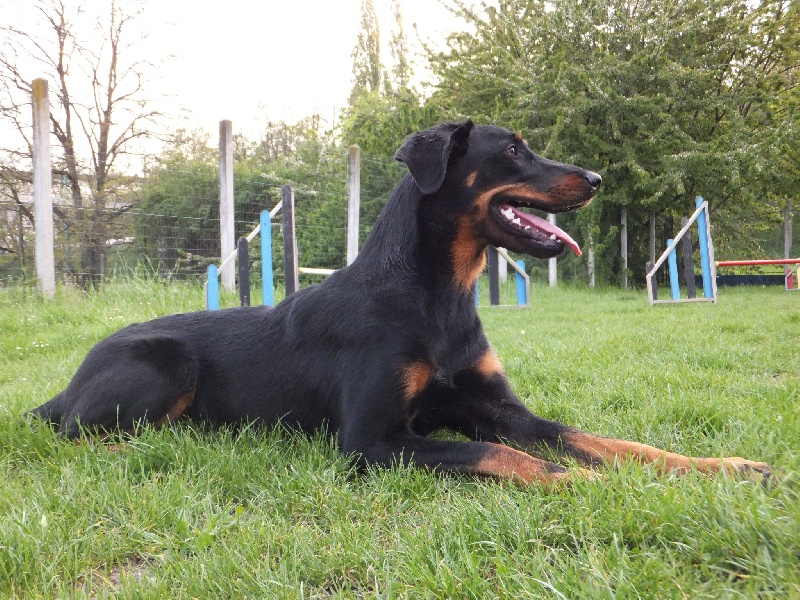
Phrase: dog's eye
(512, 150)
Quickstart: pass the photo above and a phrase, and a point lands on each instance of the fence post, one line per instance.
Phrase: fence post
(787, 242)
(494, 283)
(652, 286)
(623, 246)
(552, 264)
(289, 241)
(652, 236)
(43, 189)
(243, 260)
(502, 267)
(267, 284)
(354, 202)
(226, 226)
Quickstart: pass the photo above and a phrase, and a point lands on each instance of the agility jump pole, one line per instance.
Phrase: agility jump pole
(264, 227)
(707, 264)
(790, 272)
(749, 263)
(523, 281)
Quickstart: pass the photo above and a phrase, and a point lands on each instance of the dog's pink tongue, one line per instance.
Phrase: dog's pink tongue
(549, 228)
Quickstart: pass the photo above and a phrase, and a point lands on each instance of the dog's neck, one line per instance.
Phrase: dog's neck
(404, 244)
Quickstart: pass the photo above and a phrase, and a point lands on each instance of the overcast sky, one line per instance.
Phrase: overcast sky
(290, 57)
(244, 59)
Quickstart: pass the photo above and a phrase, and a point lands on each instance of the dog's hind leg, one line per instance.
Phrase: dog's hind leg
(127, 381)
(51, 411)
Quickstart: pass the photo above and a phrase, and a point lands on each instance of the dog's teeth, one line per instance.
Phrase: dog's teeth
(517, 222)
(507, 213)
(528, 227)
(553, 237)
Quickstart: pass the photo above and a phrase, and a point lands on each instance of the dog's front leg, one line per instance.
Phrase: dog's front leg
(483, 459)
(485, 408)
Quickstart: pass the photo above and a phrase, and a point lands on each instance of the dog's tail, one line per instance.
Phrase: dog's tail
(51, 411)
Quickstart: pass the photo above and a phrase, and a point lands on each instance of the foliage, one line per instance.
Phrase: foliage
(667, 100)
(185, 183)
(367, 67)
(99, 109)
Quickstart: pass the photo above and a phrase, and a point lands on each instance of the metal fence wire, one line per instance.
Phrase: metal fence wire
(167, 224)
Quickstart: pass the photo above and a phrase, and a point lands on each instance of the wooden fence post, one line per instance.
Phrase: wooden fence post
(494, 283)
(623, 221)
(226, 225)
(552, 264)
(289, 241)
(43, 190)
(243, 261)
(354, 202)
(652, 236)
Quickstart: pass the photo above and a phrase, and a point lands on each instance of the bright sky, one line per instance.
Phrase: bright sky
(286, 59)
(247, 60)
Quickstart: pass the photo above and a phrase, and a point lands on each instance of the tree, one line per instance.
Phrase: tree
(99, 111)
(398, 48)
(367, 67)
(666, 99)
(179, 200)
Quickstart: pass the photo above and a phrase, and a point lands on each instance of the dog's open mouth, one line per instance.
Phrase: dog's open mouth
(536, 228)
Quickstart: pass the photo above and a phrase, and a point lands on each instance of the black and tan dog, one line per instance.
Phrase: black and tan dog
(385, 351)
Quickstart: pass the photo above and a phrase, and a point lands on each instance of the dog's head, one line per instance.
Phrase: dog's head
(480, 177)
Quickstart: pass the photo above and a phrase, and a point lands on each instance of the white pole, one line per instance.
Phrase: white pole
(552, 265)
(502, 266)
(354, 203)
(226, 227)
(43, 189)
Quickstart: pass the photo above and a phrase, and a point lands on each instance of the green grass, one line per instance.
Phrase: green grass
(189, 512)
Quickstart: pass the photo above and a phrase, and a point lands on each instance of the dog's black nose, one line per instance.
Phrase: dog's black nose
(594, 179)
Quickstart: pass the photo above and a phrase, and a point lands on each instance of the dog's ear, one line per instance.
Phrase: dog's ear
(427, 153)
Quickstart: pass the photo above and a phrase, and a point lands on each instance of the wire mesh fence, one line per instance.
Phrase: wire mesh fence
(167, 222)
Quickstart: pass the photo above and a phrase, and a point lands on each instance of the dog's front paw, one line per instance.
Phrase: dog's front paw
(577, 474)
(758, 471)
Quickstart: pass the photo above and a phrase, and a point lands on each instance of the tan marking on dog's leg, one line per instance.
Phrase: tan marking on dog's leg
(610, 450)
(489, 365)
(504, 462)
(177, 409)
(416, 378)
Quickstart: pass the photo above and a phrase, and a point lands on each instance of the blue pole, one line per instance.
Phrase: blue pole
(705, 262)
(477, 295)
(213, 288)
(674, 283)
(522, 296)
(267, 290)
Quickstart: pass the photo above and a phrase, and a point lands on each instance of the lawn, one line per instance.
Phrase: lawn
(194, 512)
